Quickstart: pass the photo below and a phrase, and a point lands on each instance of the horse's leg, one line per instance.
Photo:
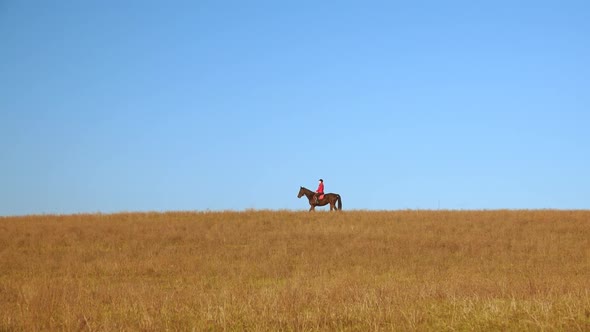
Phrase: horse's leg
(312, 208)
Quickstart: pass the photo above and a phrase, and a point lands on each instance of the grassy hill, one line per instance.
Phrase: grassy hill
(287, 270)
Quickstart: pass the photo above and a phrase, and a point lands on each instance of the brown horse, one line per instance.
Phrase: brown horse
(330, 198)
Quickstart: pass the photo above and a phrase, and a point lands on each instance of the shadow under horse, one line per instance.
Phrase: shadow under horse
(330, 198)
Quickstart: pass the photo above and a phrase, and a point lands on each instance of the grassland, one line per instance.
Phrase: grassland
(285, 270)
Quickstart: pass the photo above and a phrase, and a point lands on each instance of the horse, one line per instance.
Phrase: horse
(330, 198)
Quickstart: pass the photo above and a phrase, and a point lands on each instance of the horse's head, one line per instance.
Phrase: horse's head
(301, 192)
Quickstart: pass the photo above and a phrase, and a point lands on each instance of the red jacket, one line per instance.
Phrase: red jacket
(320, 188)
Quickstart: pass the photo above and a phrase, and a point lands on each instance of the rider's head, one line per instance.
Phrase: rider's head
(321, 180)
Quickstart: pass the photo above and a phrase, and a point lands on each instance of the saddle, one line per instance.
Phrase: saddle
(320, 197)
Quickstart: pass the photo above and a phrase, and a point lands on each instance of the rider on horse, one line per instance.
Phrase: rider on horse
(333, 199)
(319, 191)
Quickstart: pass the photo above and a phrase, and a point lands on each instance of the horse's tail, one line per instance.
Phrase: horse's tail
(339, 202)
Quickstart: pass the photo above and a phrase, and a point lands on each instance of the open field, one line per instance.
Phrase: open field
(283, 270)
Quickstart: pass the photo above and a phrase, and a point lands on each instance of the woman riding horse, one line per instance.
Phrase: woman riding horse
(329, 198)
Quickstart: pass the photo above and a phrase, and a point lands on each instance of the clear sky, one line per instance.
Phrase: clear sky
(110, 106)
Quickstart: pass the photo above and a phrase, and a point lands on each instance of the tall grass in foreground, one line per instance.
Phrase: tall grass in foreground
(283, 270)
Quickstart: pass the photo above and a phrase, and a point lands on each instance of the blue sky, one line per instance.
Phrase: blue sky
(228, 105)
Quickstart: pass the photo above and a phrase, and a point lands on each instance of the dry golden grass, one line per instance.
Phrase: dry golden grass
(283, 270)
